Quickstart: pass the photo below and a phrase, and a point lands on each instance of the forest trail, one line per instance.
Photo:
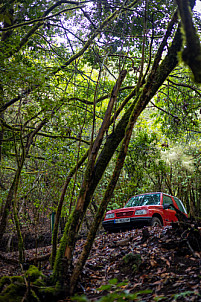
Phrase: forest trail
(157, 259)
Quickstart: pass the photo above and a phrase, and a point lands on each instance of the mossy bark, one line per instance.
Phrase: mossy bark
(33, 286)
(19, 236)
(68, 238)
(59, 208)
(102, 207)
(73, 225)
(192, 52)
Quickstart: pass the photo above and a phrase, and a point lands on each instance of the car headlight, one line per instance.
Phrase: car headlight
(109, 215)
(140, 212)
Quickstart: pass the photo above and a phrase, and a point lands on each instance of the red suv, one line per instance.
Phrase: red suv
(155, 209)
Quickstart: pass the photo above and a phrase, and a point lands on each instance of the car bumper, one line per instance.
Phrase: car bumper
(111, 225)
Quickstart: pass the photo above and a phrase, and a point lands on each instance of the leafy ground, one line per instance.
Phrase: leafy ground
(166, 261)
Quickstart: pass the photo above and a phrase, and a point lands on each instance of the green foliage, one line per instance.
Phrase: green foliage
(113, 206)
(143, 159)
(116, 293)
(184, 295)
(55, 150)
(179, 101)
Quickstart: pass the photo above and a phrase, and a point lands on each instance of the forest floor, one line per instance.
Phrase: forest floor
(160, 260)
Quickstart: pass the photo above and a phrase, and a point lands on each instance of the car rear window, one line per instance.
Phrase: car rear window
(180, 205)
(143, 200)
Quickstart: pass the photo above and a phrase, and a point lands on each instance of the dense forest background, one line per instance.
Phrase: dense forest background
(99, 101)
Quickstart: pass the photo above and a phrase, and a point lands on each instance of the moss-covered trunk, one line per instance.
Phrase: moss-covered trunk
(19, 234)
(103, 205)
(59, 208)
(154, 81)
(72, 227)
(192, 52)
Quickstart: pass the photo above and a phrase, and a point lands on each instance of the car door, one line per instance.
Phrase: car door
(168, 214)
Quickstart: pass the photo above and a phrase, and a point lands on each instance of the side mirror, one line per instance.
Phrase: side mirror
(166, 206)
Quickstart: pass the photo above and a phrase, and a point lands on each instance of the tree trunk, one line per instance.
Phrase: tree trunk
(192, 52)
(156, 78)
(59, 208)
(14, 186)
(9, 200)
(103, 205)
(75, 219)
(19, 234)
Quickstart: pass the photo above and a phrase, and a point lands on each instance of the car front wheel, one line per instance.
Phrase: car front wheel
(156, 222)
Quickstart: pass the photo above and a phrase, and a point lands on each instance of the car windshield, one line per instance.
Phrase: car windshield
(143, 200)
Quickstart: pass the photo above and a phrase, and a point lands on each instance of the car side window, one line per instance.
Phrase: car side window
(180, 205)
(152, 199)
(167, 199)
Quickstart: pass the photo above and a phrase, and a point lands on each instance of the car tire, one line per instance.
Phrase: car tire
(156, 222)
